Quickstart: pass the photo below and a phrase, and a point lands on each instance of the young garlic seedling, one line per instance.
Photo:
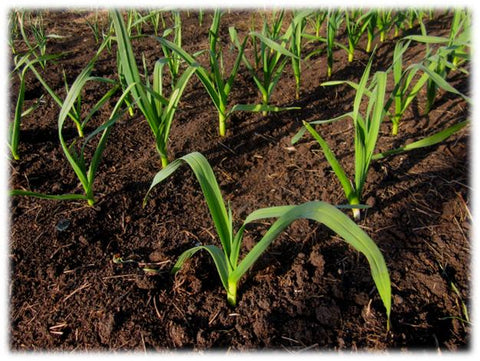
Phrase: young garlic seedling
(366, 126)
(230, 268)
(271, 54)
(213, 78)
(158, 111)
(408, 82)
(77, 160)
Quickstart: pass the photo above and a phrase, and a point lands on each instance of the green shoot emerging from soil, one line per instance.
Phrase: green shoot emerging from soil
(408, 82)
(213, 79)
(173, 59)
(226, 258)
(158, 110)
(371, 21)
(271, 54)
(295, 34)
(366, 127)
(77, 161)
(335, 19)
(37, 47)
(22, 65)
(355, 25)
(384, 22)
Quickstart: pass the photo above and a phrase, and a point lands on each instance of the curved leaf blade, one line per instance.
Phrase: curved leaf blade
(335, 164)
(200, 71)
(218, 258)
(130, 69)
(425, 142)
(20, 192)
(339, 223)
(213, 196)
(255, 108)
(441, 82)
(273, 45)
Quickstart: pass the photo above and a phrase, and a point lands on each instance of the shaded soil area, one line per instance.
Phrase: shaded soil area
(309, 291)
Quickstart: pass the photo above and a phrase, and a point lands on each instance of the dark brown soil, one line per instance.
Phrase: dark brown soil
(308, 291)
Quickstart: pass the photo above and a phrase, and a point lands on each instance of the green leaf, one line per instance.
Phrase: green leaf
(350, 83)
(441, 82)
(340, 117)
(270, 212)
(360, 128)
(218, 258)
(114, 116)
(130, 69)
(427, 39)
(211, 192)
(259, 108)
(14, 134)
(299, 135)
(236, 66)
(19, 192)
(373, 126)
(302, 130)
(234, 37)
(158, 83)
(338, 222)
(72, 95)
(201, 72)
(169, 111)
(337, 168)
(25, 60)
(277, 74)
(425, 142)
(273, 45)
(100, 103)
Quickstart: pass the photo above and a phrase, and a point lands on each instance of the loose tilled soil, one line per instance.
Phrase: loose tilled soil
(309, 291)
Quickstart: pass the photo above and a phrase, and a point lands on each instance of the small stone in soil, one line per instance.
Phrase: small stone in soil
(62, 225)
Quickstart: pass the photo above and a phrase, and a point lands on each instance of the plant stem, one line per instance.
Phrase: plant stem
(350, 56)
(431, 90)
(130, 107)
(164, 160)
(265, 102)
(356, 214)
(162, 151)
(222, 120)
(79, 129)
(90, 198)
(232, 293)
(369, 43)
(356, 211)
(395, 126)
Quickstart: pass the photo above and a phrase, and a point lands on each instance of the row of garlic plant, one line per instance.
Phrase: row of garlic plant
(229, 268)
(159, 111)
(273, 48)
(272, 56)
